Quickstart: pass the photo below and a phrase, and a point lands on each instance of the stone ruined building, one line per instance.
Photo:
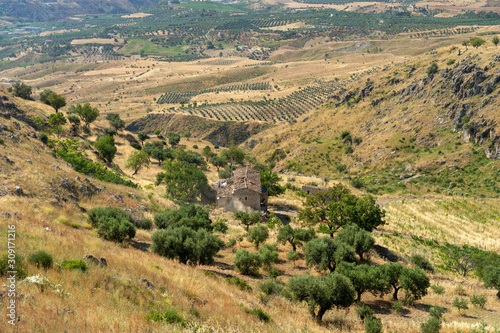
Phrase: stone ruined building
(313, 189)
(241, 192)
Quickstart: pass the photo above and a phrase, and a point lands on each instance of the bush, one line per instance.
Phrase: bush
(259, 313)
(231, 242)
(479, 301)
(169, 316)
(258, 235)
(436, 312)
(438, 289)
(2, 142)
(220, 225)
(373, 325)
(105, 145)
(397, 306)
(271, 287)
(73, 264)
(44, 138)
(269, 254)
(364, 312)
(433, 325)
(135, 145)
(240, 283)
(86, 129)
(460, 304)
(292, 256)
(421, 262)
(12, 259)
(70, 153)
(191, 216)
(144, 223)
(432, 69)
(450, 62)
(41, 259)
(273, 273)
(247, 263)
(186, 245)
(112, 223)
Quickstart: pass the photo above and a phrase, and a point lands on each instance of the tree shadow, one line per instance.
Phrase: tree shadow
(143, 246)
(223, 266)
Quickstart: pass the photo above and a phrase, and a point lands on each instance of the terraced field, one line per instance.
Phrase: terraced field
(284, 108)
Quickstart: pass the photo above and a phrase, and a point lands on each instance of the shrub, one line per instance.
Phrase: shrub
(437, 289)
(271, 287)
(450, 62)
(433, 325)
(460, 304)
(259, 313)
(6, 260)
(135, 145)
(363, 312)
(421, 262)
(247, 263)
(269, 254)
(112, 223)
(86, 129)
(44, 138)
(191, 216)
(258, 235)
(273, 273)
(292, 256)
(397, 306)
(479, 301)
(186, 245)
(432, 69)
(231, 242)
(220, 225)
(169, 316)
(144, 223)
(41, 259)
(73, 264)
(105, 145)
(436, 312)
(240, 283)
(373, 325)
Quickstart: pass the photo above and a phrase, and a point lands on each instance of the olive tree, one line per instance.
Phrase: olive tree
(337, 207)
(186, 245)
(296, 237)
(322, 293)
(258, 235)
(137, 160)
(325, 253)
(360, 240)
(491, 278)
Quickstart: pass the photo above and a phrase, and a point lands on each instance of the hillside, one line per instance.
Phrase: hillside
(46, 200)
(398, 129)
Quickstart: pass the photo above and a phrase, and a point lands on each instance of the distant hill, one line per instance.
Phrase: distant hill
(37, 10)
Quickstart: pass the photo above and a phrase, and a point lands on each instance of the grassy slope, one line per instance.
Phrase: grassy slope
(400, 137)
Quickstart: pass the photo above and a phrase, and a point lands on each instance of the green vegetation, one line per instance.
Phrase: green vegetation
(247, 263)
(70, 152)
(41, 259)
(322, 293)
(112, 223)
(186, 245)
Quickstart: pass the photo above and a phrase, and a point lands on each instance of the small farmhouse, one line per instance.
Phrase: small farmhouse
(241, 192)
